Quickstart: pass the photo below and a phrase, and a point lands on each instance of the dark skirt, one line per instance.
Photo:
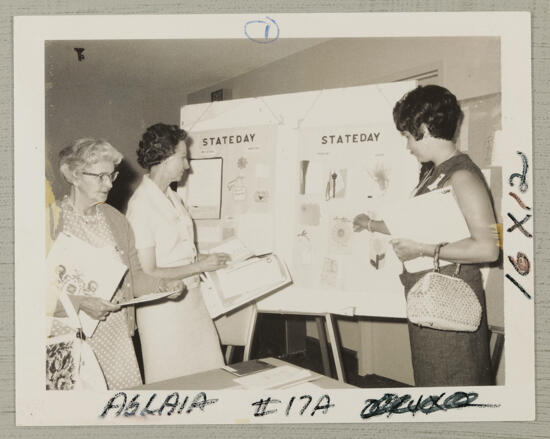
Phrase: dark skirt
(451, 358)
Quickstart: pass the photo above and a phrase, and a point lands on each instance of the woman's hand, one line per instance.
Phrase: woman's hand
(213, 261)
(405, 249)
(175, 285)
(361, 222)
(95, 307)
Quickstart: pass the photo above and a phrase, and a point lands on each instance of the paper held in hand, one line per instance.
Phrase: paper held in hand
(76, 267)
(245, 279)
(151, 297)
(430, 218)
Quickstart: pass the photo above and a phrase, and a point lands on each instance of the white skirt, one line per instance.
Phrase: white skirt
(178, 338)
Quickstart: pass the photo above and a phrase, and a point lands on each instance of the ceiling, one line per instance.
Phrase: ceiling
(190, 64)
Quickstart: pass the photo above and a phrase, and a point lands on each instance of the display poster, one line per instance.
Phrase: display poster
(344, 171)
(247, 185)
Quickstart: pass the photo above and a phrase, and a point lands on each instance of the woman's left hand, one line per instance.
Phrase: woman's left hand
(405, 249)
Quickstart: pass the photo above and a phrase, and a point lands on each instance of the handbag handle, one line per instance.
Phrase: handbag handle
(72, 315)
(436, 259)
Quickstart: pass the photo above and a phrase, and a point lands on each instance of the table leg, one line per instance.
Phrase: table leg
(250, 334)
(335, 346)
(321, 331)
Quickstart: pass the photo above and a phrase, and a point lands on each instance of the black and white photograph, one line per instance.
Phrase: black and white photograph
(274, 218)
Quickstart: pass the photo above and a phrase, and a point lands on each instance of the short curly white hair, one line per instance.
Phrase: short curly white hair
(85, 152)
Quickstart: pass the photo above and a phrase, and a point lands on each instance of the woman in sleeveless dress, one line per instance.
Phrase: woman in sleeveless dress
(428, 117)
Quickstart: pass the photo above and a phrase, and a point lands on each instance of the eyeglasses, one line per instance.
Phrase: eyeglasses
(104, 175)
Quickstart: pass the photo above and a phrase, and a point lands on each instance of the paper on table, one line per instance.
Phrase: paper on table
(430, 218)
(280, 376)
(147, 298)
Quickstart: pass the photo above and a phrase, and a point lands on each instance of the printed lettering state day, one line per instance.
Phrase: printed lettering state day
(228, 140)
(333, 139)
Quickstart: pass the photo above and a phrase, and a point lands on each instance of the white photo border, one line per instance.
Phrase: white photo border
(513, 401)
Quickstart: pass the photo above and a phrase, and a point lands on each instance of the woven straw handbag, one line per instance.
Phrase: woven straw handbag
(443, 302)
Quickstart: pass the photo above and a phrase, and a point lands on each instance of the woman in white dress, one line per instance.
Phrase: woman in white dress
(177, 337)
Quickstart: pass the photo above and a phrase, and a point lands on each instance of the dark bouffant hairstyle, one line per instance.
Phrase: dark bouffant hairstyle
(432, 105)
(158, 143)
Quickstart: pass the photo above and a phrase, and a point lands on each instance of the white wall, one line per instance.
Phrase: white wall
(470, 66)
(81, 103)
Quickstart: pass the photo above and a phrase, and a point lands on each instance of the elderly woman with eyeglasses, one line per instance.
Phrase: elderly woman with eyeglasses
(89, 166)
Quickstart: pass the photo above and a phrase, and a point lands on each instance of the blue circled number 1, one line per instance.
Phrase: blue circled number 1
(259, 30)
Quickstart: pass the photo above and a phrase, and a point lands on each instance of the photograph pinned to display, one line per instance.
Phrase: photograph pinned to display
(380, 173)
(336, 184)
(330, 272)
(261, 196)
(378, 247)
(310, 214)
(340, 236)
(203, 188)
(305, 249)
(304, 164)
(312, 174)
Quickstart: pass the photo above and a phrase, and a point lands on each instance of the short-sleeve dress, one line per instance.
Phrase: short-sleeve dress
(178, 337)
(451, 358)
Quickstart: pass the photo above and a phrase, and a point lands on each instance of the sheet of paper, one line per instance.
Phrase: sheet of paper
(315, 178)
(255, 230)
(209, 234)
(202, 190)
(430, 218)
(79, 268)
(147, 298)
(272, 378)
(235, 248)
(248, 275)
(225, 290)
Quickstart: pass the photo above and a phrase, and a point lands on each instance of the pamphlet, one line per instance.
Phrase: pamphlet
(248, 367)
(76, 267)
(247, 278)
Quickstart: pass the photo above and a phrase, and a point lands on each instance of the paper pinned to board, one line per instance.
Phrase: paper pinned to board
(202, 191)
(430, 218)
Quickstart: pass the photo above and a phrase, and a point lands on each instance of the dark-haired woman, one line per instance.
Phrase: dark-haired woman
(429, 117)
(177, 337)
